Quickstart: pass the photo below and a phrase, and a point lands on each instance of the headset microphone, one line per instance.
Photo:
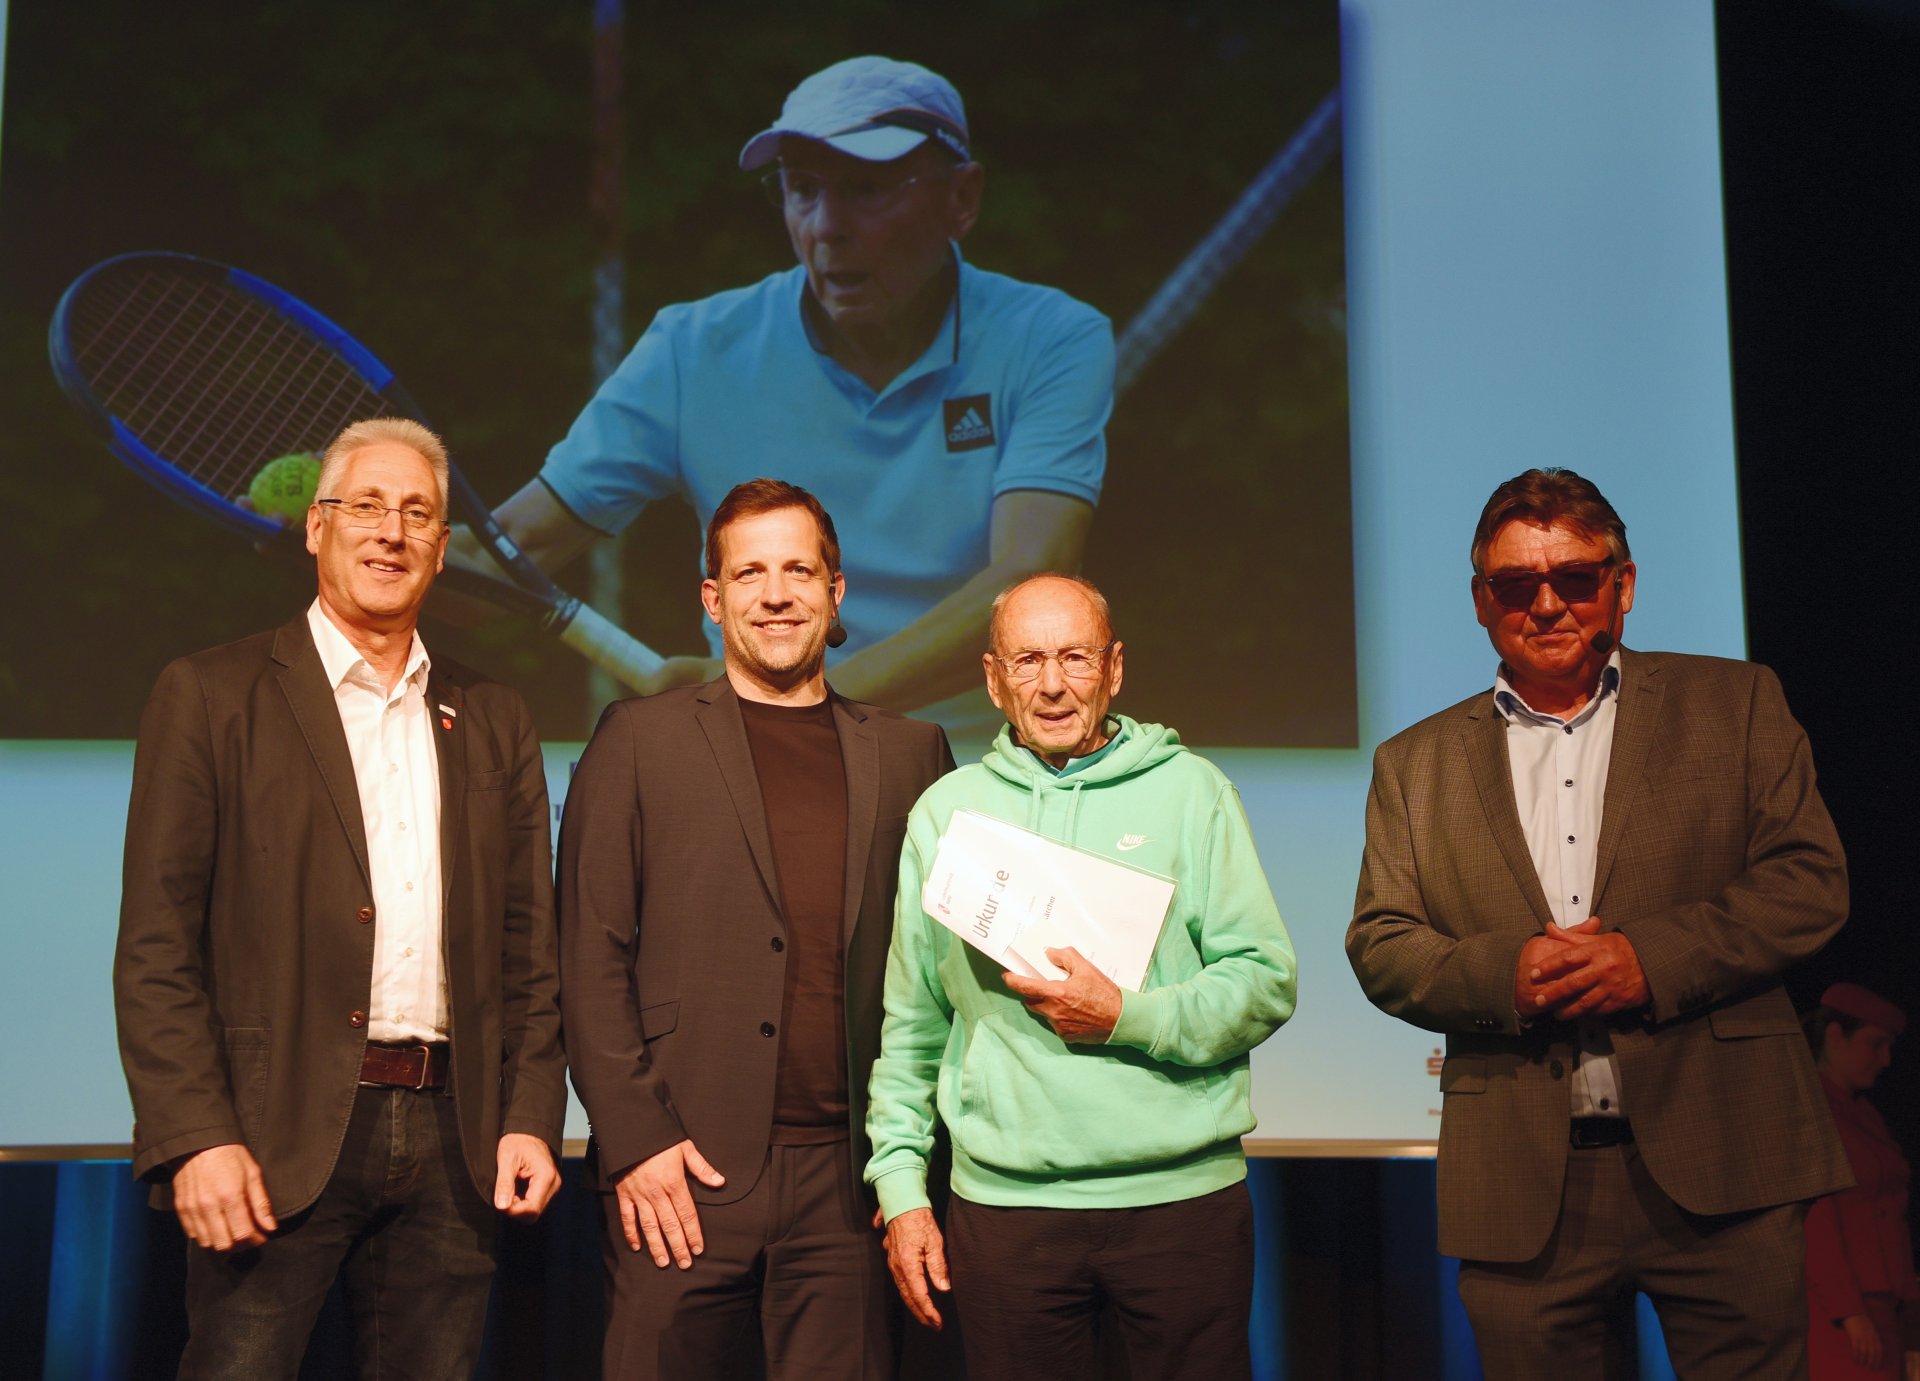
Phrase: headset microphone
(836, 631)
(1603, 641)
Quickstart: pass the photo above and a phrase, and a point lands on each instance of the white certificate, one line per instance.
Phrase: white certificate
(1013, 895)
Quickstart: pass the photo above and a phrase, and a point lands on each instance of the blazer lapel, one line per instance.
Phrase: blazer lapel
(304, 681)
(719, 719)
(1636, 720)
(446, 716)
(860, 751)
(1485, 740)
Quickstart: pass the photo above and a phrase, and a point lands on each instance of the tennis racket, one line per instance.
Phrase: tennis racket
(196, 375)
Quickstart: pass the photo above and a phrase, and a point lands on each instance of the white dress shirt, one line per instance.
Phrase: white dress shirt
(1559, 771)
(390, 736)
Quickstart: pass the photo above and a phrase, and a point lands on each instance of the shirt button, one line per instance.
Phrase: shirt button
(1605, 1103)
(364, 914)
(766, 1028)
(407, 953)
(410, 888)
(1567, 730)
(356, 1019)
(1556, 1069)
(1569, 781)
(1576, 901)
(403, 825)
(1569, 837)
(778, 944)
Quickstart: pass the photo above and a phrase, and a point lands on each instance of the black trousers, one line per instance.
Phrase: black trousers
(793, 1285)
(1031, 1283)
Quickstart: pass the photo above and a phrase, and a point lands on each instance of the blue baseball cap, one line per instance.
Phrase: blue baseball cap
(871, 108)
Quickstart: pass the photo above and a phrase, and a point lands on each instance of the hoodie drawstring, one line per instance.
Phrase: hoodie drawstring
(1073, 807)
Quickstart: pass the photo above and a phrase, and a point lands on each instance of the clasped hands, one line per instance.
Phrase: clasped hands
(1578, 972)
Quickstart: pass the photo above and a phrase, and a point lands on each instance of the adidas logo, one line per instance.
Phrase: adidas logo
(969, 422)
(970, 428)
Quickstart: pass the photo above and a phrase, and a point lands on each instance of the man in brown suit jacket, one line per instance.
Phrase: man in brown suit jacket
(728, 861)
(1591, 880)
(336, 974)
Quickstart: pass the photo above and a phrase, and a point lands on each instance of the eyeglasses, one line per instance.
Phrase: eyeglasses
(1575, 583)
(1076, 663)
(800, 193)
(365, 513)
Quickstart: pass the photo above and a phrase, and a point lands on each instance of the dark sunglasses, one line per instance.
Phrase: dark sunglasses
(1574, 584)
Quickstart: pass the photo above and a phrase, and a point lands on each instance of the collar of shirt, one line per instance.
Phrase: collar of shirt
(942, 351)
(1515, 710)
(342, 661)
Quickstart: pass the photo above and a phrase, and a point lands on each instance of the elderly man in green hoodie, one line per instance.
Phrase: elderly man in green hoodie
(1096, 1131)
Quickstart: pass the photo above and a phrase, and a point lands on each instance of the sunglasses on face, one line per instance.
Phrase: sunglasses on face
(1573, 584)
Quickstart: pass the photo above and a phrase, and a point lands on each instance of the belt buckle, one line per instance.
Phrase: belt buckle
(426, 1067)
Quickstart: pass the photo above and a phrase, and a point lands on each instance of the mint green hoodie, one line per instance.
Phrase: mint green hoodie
(1156, 1114)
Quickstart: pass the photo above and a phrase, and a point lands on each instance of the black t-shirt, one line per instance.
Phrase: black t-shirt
(796, 756)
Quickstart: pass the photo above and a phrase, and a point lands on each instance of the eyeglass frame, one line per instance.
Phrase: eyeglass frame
(423, 531)
(1055, 656)
(773, 183)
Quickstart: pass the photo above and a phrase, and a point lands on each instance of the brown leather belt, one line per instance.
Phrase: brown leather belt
(405, 1066)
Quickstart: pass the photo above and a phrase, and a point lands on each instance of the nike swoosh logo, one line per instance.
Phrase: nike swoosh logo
(1126, 845)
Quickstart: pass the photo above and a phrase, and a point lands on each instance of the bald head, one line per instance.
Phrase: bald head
(1049, 593)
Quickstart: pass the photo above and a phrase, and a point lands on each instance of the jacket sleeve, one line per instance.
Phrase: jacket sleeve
(533, 1085)
(1408, 967)
(601, 883)
(913, 1037)
(1247, 980)
(176, 1071)
(1785, 905)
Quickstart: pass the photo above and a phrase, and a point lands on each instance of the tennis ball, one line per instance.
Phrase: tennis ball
(284, 486)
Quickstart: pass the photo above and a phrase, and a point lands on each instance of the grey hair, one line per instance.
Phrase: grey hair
(371, 431)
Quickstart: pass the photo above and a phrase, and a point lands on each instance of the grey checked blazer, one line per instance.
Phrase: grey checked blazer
(1717, 859)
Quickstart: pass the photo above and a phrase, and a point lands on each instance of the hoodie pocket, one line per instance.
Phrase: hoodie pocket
(1029, 1105)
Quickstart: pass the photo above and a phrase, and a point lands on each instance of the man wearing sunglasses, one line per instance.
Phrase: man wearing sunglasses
(1592, 879)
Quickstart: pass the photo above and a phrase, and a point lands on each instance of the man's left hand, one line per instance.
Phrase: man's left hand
(1597, 976)
(527, 1178)
(1082, 1007)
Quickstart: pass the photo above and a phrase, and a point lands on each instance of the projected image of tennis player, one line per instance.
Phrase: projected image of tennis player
(951, 418)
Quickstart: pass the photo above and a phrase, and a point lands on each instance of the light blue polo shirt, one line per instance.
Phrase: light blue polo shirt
(1013, 393)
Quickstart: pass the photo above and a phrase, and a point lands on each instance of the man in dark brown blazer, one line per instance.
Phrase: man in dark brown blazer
(336, 980)
(728, 861)
(1591, 879)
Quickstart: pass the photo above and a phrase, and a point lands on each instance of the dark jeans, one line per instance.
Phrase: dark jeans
(403, 1225)
(1032, 1281)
